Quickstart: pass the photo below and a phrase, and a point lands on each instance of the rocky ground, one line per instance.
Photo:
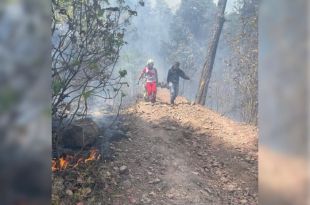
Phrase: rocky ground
(174, 155)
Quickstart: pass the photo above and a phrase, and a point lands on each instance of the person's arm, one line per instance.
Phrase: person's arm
(183, 75)
(142, 73)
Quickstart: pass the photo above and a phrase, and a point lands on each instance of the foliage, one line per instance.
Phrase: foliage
(245, 59)
(87, 36)
(189, 34)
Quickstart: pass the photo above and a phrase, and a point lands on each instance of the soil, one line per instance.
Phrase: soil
(175, 155)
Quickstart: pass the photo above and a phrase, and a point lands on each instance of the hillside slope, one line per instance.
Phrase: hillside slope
(186, 155)
(173, 155)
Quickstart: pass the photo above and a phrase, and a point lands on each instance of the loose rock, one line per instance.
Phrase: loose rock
(145, 199)
(69, 192)
(155, 181)
(123, 169)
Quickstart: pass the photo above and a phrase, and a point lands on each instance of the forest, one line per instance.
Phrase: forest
(114, 49)
(109, 146)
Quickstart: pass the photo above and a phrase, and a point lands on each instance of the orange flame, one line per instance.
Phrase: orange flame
(64, 162)
(93, 155)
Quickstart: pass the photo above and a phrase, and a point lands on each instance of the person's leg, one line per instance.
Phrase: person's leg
(171, 88)
(149, 90)
(154, 91)
(145, 95)
(176, 90)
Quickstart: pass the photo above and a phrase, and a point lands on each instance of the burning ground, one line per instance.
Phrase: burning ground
(186, 154)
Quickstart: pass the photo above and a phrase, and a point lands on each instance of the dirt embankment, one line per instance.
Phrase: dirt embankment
(183, 155)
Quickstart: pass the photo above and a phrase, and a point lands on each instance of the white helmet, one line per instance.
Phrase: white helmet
(150, 61)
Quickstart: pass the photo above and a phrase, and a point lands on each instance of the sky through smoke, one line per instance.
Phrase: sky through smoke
(174, 4)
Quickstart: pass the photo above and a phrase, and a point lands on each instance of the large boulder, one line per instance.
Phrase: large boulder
(80, 133)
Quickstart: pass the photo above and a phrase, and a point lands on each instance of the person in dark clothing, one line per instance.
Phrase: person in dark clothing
(174, 74)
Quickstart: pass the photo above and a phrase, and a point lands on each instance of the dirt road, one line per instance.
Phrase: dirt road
(185, 155)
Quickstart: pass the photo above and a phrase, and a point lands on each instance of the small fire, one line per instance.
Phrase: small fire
(63, 163)
(93, 155)
(68, 161)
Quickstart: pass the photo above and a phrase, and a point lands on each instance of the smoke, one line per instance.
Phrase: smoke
(24, 102)
(145, 36)
(173, 4)
(152, 29)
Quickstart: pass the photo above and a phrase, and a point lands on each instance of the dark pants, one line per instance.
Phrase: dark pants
(174, 91)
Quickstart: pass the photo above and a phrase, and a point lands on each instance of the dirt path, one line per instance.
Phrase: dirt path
(185, 155)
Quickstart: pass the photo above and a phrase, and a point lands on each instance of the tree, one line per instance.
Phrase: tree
(86, 39)
(208, 65)
(188, 33)
(244, 44)
(196, 16)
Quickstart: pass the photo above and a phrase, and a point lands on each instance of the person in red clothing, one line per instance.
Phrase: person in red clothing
(150, 73)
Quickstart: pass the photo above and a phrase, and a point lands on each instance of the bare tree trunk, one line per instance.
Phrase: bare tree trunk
(208, 66)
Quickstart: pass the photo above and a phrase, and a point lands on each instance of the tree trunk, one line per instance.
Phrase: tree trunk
(208, 65)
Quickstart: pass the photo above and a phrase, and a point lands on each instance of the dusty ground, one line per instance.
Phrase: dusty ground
(180, 155)
(187, 155)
